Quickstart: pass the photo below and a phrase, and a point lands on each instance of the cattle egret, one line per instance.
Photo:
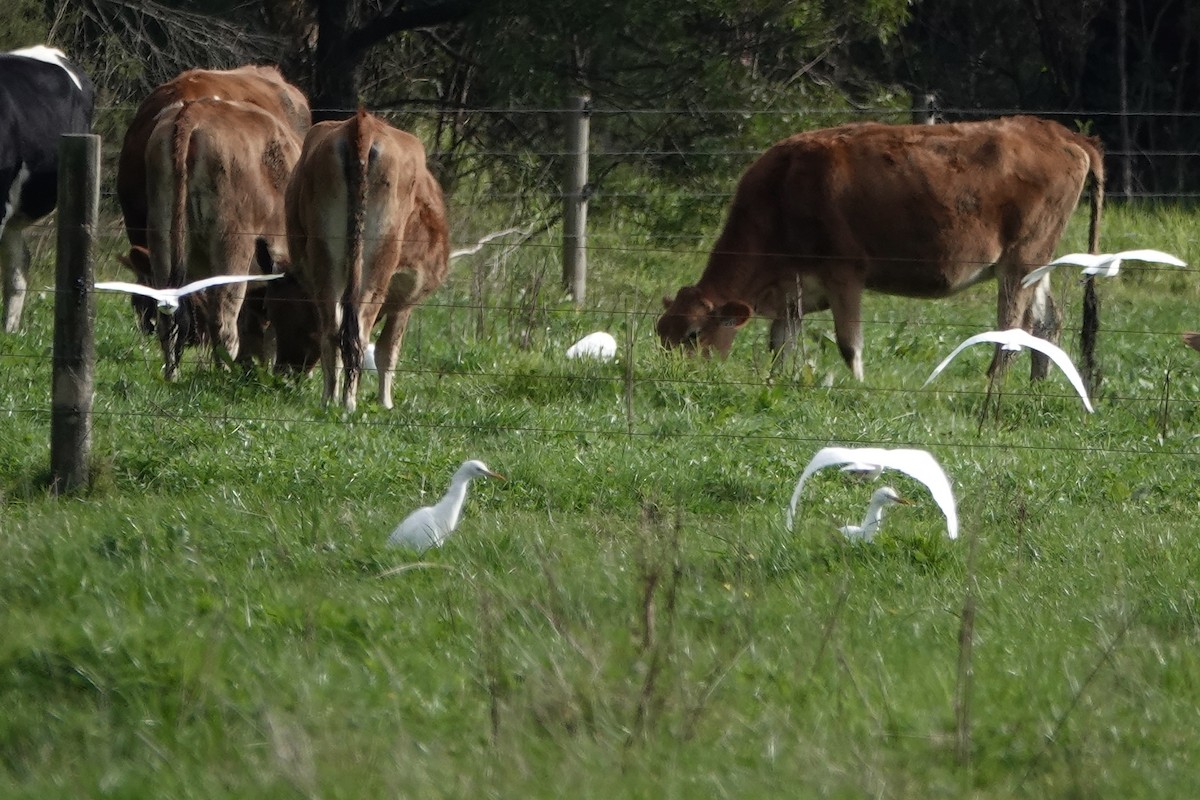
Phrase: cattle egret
(918, 464)
(1015, 339)
(598, 345)
(430, 526)
(475, 248)
(1106, 265)
(880, 499)
(168, 300)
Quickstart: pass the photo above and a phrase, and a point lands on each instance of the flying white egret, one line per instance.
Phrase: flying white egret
(169, 299)
(880, 499)
(1106, 265)
(918, 464)
(1015, 339)
(430, 526)
(598, 345)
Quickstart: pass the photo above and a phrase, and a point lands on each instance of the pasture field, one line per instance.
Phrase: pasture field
(625, 616)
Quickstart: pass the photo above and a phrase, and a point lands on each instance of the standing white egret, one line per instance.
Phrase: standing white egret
(1015, 339)
(168, 300)
(598, 345)
(880, 499)
(1106, 265)
(918, 464)
(430, 526)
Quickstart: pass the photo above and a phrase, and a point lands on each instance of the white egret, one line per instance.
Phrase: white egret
(598, 345)
(430, 526)
(169, 299)
(1106, 265)
(1015, 339)
(475, 248)
(918, 464)
(880, 499)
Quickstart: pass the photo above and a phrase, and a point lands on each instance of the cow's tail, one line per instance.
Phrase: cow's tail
(181, 139)
(1096, 178)
(181, 329)
(356, 166)
(1091, 302)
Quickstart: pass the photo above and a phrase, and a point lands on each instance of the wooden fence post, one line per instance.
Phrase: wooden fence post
(575, 197)
(74, 312)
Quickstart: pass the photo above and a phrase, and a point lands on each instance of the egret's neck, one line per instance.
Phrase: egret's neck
(874, 518)
(450, 506)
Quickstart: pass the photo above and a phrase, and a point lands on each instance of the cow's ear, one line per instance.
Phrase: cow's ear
(734, 314)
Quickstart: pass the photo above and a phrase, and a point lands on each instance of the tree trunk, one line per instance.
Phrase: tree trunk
(335, 68)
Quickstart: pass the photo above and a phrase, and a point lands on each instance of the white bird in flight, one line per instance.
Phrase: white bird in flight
(1015, 339)
(1106, 265)
(430, 526)
(169, 299)
(918, 464)
(599, 345)
(880, 499)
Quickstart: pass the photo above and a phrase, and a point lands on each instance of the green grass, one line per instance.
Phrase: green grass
(217, 615)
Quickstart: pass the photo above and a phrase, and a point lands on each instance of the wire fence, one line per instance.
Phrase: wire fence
(513, 291)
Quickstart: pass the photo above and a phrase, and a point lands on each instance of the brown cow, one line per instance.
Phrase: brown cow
(261, 86)
(215, 176)
(914, 210)
(367, 235)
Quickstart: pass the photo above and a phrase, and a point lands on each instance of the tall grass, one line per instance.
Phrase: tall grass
(626, 615)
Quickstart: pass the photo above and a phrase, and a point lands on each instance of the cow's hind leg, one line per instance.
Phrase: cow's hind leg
(1043, 319)
(845, 301)
(387, 352)
(14, 260)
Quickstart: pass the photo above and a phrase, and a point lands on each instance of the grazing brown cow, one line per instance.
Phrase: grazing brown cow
(215, 176)
(915, 210)
(367, 235)
(263, 87)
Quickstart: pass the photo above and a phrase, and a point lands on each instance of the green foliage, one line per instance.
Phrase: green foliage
(22, 23)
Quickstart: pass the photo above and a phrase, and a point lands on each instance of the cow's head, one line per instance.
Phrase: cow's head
(694, 322)
(138, 261)
(285, 307)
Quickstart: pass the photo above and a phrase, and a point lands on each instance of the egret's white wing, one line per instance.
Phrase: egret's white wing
(1060, 358)
(1105, 265)
(1019, 338)
(918, 464)
(418, 531)
(987, 336)
(219, 280)
(1154, 256)
(134, 288)
(1086, 260)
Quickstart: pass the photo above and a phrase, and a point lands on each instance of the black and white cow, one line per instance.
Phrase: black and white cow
(42, 96)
